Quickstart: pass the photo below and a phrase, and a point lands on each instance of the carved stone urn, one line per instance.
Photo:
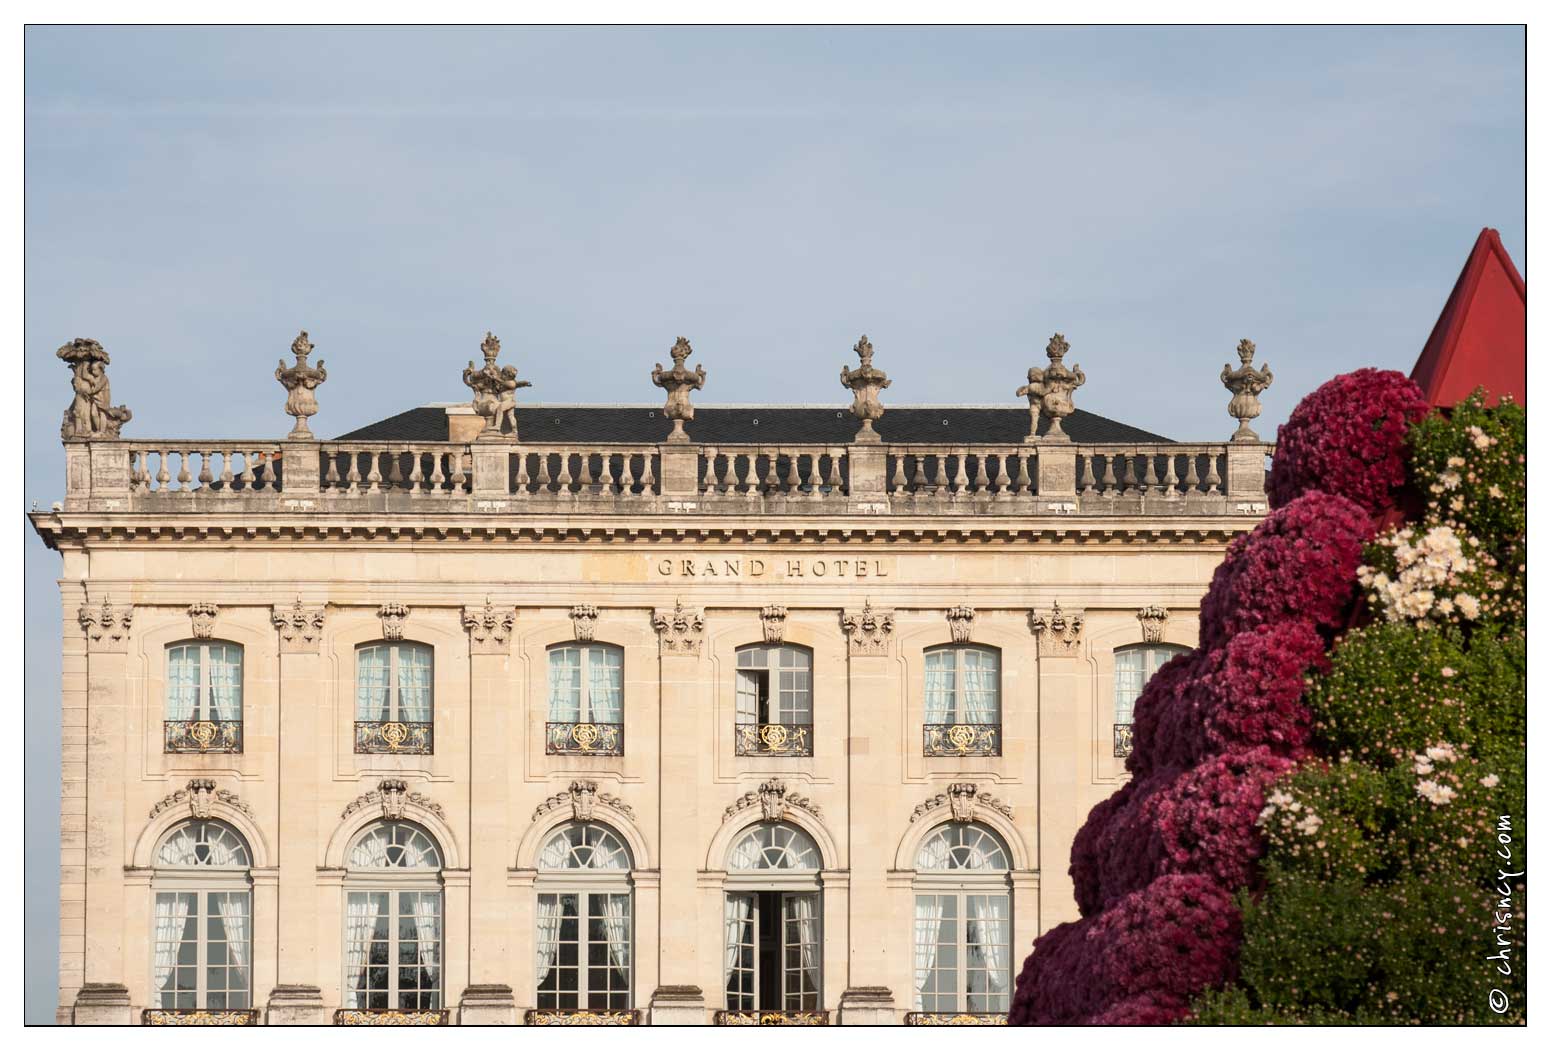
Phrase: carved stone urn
(495, 392)
(1247, 384)
(864, 384)
(300, 380)
(678, 382)
(1049, 391)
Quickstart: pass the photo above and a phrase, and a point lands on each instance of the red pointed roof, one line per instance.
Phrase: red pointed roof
(1479, 339)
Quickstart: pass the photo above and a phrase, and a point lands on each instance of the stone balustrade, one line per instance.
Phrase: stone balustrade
(1035, 478)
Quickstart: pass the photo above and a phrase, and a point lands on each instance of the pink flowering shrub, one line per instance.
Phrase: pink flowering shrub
(1348, 437)
(1299, 563)
(1251, 691)
(1147, 1009)
(1164, 720)
(1058, 984)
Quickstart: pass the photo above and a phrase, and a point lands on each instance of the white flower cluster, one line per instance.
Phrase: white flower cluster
(1425, 569)
(1308, 824)
(1431, 790)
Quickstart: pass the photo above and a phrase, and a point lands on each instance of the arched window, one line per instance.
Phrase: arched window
(773, 921)
(963, 701)
(203, 916)
(393, 711)
(1134, 665)
(774, 714)
(204, 697)
(393, 919)
(586, 700)
(584, 937)
(963, 922)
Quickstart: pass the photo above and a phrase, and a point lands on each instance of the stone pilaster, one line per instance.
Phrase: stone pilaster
(872, 761)
(301, 761)
(106, 624)
(72, 808)
(491, 950)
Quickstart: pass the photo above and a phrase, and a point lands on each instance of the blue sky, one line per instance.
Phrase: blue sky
(196, 196)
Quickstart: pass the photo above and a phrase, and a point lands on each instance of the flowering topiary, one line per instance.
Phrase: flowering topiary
(1299, 563)
(1165, 719)
(1348, 437)
(1146, 1009)
(1173, 937)
(1058, 984)
(1251, 691)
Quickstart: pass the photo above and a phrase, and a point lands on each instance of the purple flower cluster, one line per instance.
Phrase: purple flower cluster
(1348, 437)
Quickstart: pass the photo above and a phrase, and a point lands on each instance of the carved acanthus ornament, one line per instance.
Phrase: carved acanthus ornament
(201, 795)
(678, 382)
(489, 628)
(864, 383)
(963, 800)
(1059, 632)
(773, 619)
(583, 798)
(773, 798)
(395, 798)
(202, 618)
(1246, 384)
(495, 391)
(91, 413)
(301, 627)
(106, 627)
(393, 615)
(868, 629)
(1049, 391)
(678, 629)
(1153, 619)
(300, 381)
(961, 621)
(585, 620)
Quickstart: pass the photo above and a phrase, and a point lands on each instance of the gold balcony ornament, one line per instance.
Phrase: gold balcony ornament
(572, 1016)
(1123, 740)
(773, 739)
(348, 1016)
(583, 739)
(1049, 391)
(1247, 385)
(678, 382)
(300, 381)
(950, 1018)
(155, 1016)
(963, 739)
(394, 735)
(772, 1018)
(203, 733)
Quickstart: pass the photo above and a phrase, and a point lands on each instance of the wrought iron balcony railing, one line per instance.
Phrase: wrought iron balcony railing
(962, 739)
(1122, 740)
(580, 1016)
(953, 1018)
(772, 1018)
(783, 739)
(407, 1016)
(392, 738)
(197, 1016)
(203, 736)
(584, 739)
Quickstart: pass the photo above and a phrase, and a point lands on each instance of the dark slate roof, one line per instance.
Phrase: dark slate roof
(762, 424)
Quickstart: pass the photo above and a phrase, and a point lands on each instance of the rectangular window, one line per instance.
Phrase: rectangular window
(583, 950)
(963, 711)
(773, 698)
(204, 697)
(393, 942)
(963, 953)
(774, 948)
(393, 699)
(202, 945)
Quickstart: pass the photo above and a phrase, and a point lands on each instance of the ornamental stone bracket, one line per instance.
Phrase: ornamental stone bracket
(584, 619)
(106, 627)
(489, 628)
(583, 798)
(1154, 619)
(393, 615)
(300, 627)
(773, 799)
(773, 620)
(202, 618)
(963, 800)
(961, 621)
(201, 795)
(395, 798)
(679, 630)
(1059, 632)
(868, 630)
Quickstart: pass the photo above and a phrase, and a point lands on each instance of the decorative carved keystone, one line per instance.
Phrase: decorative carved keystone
(961, 619)
(495, 391)
(395, 798)
(774, 799)
(301, 627)
(1154, 619)
(583, 798)
(678, 629)
(1247, 385)
(868, 629)
(678, 382)
(963, 800)
(773, 618)
(300, 380)
(106, 627)
(201, 795)
(864, 385)
(489, 628)
(1059, 632)
(585, 620)
(92, 413)
(393, 615)
(202, 618)
(1049, 391)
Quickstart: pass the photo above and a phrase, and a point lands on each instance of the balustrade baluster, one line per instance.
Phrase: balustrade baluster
(374, 472)
(918, 481)
(183, 473)
(1109, 474)
(586, 478)
(395, 475)
(982, 478)
(1170, 478)
(1128, 481)
(899, 474)
(1088, 483)
(1003, 480)
(836, 483)
(524, 481)
(563, 479)
(626, 475)
(543, 482)
(205, 477)
(247, 471)
(960, 474)
(163, 476)
(1025, 484)
(1192, 479)
(353, 475)
(416, 476)
(793, 480)
(712, 483)
(1150, 478)
(331, 477)
(606, 475)
(438, 479)
(266, 471)
(648, 479)
(1212, 479)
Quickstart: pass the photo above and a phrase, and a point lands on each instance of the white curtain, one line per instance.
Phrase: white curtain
(604, 688)
(616, 923)
(414, 683)
(735, 914)
(428, 936)
(225, 697)
(987, 937)
(1129, 680)
(223, 850)
(234, 918)
(928, 931)
(805, 912)
(171, 915)
(979, 703)
(371, 685)
(182, 682)
(939, 687)
(548, 941)
(565, 685)
(361, 912)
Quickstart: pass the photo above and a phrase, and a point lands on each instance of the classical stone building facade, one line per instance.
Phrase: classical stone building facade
(633, 714)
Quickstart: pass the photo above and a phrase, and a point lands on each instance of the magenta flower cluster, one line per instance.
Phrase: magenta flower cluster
(1348, 437)
(1156, 865)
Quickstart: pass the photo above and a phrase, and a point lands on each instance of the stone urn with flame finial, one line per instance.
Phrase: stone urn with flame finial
(678, 382)
(864, 383)
(300, 381)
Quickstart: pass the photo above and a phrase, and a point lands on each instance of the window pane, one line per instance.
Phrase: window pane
(940, 703)
(414, 682)
(605, 685)
(565, 685)
(224, 696)
(371, 684)
(183, 681)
